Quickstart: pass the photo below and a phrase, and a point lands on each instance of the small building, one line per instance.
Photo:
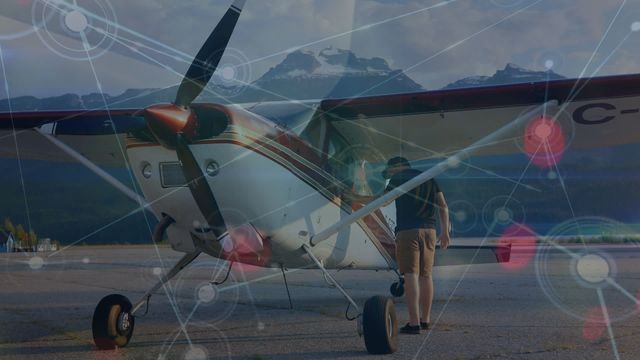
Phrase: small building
(7, 243)
(46, 245)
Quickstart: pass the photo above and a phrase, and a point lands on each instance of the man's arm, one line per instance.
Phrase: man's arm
(364, 199)
(444, 220)
(353, 197)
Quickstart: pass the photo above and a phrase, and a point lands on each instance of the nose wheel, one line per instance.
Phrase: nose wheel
(113, 322)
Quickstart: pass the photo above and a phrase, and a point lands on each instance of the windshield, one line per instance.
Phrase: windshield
(357, 166)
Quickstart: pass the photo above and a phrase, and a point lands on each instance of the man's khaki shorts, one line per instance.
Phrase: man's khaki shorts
(415, 251)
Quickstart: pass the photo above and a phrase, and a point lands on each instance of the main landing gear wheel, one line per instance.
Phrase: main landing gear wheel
(397, 288)
(112, 322)
(380, 325)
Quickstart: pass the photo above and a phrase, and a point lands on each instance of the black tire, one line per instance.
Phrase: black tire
(397, 289)
(380, 325)
(106, 333)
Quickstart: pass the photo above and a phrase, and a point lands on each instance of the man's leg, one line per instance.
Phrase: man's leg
(428, 241)
(426, 297)
(407, 255)
(411, 298)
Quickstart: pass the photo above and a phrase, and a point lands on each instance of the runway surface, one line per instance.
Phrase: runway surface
(537, 307)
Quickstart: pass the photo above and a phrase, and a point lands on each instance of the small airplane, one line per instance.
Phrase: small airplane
(234, 182)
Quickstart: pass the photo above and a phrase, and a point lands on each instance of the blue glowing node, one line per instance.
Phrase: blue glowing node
(549, 64)
(76, 21)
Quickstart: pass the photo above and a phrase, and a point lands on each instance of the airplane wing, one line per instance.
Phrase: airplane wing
(577, 114)
(591, 112)
(98, 135)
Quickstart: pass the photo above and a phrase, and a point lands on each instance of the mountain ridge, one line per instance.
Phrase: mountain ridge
(301, 75)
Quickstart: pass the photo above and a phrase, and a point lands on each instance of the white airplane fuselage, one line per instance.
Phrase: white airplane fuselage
(256, 186)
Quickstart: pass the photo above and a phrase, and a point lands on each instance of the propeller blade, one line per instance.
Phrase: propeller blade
(206, 62)
(199, 187)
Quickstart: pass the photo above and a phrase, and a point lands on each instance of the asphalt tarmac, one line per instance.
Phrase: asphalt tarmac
(543, 306)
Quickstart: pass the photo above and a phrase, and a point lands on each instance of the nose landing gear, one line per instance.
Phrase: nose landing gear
(112, 322)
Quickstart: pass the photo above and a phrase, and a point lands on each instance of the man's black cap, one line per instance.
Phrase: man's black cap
(394, 162)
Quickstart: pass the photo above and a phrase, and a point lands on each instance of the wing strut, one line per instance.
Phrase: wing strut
(430, 173)
(97, 170)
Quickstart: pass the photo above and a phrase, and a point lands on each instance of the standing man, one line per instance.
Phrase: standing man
(416, 239)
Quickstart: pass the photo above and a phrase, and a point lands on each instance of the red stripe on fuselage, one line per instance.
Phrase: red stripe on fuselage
(321, 181)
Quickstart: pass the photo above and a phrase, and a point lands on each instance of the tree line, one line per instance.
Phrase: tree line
(27, 239)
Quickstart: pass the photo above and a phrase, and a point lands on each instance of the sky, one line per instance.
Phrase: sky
(50, 47)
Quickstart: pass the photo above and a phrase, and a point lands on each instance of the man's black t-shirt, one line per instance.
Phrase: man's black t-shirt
(416, 208)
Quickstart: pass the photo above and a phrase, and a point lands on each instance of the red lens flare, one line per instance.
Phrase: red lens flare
(246, 246)
(594, 324)
(523, 246)
(544, 142)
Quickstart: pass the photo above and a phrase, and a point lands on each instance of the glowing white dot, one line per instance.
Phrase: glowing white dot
(593, 268)
(156, 271)
(195, 353)
(552, 175)
(549, 64)
(460, 215)
(543, 131)
(76, 21)
(503, 215)
(227, 244)
(453, 161)
(206, 293)
(260, 326)
(635, 26)
(228, 73)
(86, 260)
(36, 263)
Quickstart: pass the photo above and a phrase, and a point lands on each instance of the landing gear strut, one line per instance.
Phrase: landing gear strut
(377, 322)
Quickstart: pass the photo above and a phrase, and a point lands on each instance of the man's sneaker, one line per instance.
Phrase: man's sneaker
(424, 325)
(408, 329)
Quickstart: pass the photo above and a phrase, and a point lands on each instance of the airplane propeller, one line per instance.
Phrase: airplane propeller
(207, 59)
(176, 125)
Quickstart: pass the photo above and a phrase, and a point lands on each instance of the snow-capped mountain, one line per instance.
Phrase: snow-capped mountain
(333, 73)
(511, 74)
(329, 62)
